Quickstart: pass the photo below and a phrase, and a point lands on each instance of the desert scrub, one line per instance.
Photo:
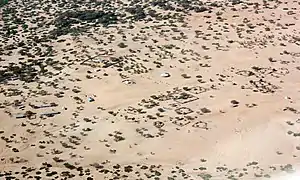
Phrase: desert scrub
(122, 45)
(205, 176)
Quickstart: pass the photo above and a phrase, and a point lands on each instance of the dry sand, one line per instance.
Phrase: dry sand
(166, 90)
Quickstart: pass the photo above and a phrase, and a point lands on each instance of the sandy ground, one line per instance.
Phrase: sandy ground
(215, 96)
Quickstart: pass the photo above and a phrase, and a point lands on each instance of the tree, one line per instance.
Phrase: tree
(3, 2)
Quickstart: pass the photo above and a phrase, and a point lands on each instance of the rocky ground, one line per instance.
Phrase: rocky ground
(154, 89)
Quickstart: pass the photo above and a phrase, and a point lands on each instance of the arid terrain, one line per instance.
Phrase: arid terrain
(149, 89)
